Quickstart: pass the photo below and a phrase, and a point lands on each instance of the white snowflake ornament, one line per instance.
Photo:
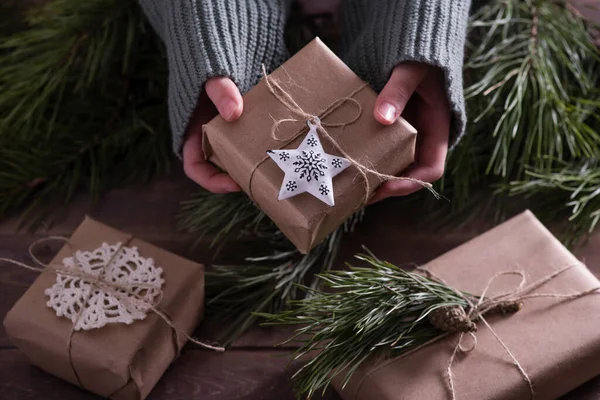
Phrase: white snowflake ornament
(88, 306)
(308, 168)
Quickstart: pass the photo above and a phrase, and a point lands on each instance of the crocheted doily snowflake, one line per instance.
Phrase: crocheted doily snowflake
(127, 268)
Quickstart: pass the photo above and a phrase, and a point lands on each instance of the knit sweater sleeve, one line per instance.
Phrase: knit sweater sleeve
(208, 38)
(378, 35)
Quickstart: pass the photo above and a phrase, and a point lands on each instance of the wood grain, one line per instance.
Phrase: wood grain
(15, 281)
(251, 373)
(253, 369)
(148, 213)
(197, 374)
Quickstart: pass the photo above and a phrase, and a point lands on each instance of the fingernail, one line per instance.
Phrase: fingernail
(387, 111)
(229, 109)
(233, 187)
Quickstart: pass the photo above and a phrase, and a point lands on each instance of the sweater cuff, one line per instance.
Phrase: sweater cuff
(395, 31)
(208, 38)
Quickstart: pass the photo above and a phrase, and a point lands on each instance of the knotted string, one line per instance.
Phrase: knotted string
(510, 300)
(302, 116)
(478, 306)
(118, 290)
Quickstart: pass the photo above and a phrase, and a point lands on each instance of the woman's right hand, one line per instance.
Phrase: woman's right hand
(220, 95)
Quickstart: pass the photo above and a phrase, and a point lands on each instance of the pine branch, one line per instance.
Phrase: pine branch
(574, 188)
(236, 293)
(534, 70)
(82, 104)
(376, 310)
(222, 216)
(528, 85)
(532, 74)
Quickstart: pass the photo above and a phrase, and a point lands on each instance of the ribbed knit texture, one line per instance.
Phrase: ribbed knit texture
(380, 34)
(208, 38)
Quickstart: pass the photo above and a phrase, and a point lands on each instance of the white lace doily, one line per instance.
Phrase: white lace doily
(68, 294)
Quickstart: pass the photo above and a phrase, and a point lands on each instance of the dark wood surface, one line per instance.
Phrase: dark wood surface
(253, 369)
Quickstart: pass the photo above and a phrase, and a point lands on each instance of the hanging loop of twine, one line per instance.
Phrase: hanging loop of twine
(317, 121)
(119, 291)
(507, 302)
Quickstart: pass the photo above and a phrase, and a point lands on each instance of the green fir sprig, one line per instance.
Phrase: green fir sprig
(237, 293)
(531, 92)
(82, 104)
(580, 189)
(532, 72)
(222, 217)
(378, 310)
(266, 284)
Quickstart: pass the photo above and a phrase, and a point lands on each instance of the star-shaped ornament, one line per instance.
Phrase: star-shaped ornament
(308, 168)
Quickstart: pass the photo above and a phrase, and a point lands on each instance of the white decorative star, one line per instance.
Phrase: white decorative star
(308, 168)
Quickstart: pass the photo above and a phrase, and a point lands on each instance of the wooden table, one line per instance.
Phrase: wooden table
(252, 369)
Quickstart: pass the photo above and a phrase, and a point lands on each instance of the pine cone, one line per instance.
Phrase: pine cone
(505, 307)
(451, 319)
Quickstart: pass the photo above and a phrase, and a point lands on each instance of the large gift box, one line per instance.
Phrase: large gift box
(323, 86)
(556, 341)
(117, 349)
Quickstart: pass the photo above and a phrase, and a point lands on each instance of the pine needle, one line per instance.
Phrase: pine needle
(580, 189)
(236, 293)
(532, 73)
(375, 310)
(82, 94)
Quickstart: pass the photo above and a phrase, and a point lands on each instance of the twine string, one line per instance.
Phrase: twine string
(477, 308)
(484, 305)
(301, 115)
(93, 285)
(122, 292)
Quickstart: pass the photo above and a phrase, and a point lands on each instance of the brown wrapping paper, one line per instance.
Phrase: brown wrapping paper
(315, 78)
(118, 361)
(556, 342)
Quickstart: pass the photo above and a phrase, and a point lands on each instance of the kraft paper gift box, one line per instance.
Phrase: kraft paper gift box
(120, 361)
(315, 78)
(557, 342)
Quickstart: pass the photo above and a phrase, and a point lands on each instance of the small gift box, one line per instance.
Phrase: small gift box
(295, 148)
(109, 313)
(551, 342)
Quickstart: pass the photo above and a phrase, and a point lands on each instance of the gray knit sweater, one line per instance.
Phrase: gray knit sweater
(207, 38)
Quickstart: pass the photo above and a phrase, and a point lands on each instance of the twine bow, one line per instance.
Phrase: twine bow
(119, 291)
(504, 303)
(302, 116)
(455, 320)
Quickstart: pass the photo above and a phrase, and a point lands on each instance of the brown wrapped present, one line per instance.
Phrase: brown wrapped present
(556, 341)
(132, 346)
(323, 86)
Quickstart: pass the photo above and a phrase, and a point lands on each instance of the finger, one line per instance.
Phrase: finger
(406, 187)
(430, 155)
(402, 84)
(226, 97)
(202, 172)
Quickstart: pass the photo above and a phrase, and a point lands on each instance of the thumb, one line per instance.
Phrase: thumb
(226, 97)
(402, 84)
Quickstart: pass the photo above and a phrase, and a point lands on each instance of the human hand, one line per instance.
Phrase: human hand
(222, 96)
(417, 91)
